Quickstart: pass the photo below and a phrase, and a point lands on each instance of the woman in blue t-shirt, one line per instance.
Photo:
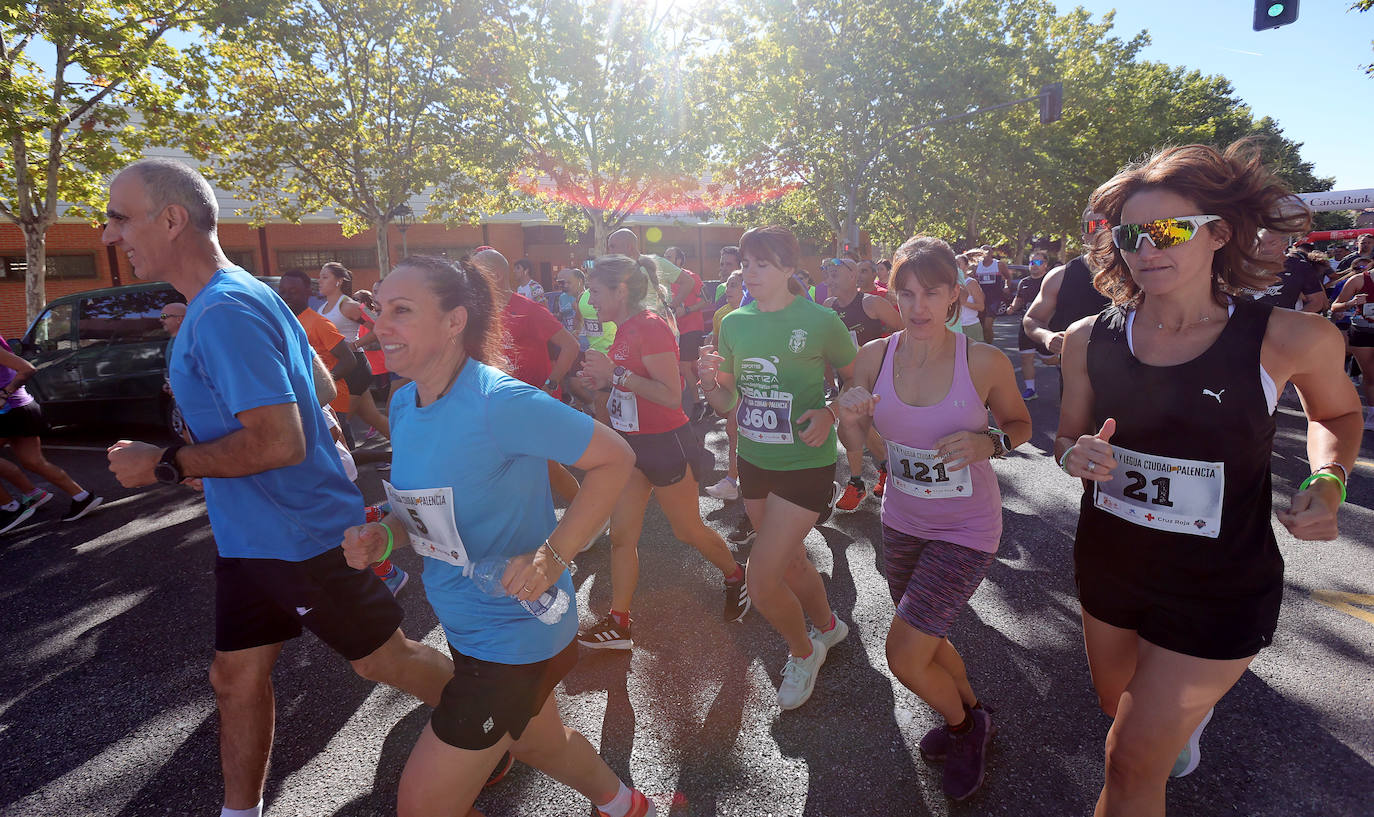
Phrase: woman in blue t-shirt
(469, 482)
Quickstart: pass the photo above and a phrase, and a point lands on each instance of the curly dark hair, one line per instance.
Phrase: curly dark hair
(1234, 184)
(460, 283)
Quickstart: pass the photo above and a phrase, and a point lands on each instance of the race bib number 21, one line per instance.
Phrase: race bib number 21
(1177, 495)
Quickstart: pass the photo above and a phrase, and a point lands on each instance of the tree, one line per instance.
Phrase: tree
(604, 99)
(358, 105)
(84, 87)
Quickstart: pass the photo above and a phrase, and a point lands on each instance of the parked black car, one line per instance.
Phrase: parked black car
(100, 356)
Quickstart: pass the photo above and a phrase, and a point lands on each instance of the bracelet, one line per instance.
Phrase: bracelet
(1345, 475)
(1063, 460)
(831, 409)
(706, 390)
(568, 566)
(1319, 475)
(390, 543)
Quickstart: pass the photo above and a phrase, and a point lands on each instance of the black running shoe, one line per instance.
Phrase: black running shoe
(743, 533)
(80, 509)
(737, 602)
(502, 767)
(9, 520)
(606, 634)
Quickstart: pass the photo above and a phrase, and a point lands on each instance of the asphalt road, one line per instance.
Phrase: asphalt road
(105, 709)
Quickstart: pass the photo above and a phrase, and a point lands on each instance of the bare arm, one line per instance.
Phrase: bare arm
(567, 348)
(974, 294)
(325, 390)
(1315, 301)
(995, 380)
(663, 385)
(1041, 311)
(23, 369)
(883, 310)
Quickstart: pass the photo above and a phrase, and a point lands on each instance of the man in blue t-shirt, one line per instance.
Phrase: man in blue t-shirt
(277, 495)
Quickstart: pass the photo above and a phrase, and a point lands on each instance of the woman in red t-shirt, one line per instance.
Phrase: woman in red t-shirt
(646, 391)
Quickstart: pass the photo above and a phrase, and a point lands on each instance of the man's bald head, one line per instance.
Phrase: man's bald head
(494, 264)
(175, 308)
(623, 242)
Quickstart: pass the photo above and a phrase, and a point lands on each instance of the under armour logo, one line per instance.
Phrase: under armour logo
(1216, 394)
(301, 611)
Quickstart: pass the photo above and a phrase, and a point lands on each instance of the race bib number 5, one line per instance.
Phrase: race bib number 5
(428, 517)
(765, 419)
(918, 472)
(1182, 496)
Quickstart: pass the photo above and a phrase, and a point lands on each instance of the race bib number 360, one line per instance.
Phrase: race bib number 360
(765, 419)
(919, 472)
(428, 517)
(1182, 496)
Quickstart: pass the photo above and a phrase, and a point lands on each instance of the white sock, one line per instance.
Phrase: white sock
(255, 811)
(81, 497)
(12, 505)
(1030, 383)
(619, 805)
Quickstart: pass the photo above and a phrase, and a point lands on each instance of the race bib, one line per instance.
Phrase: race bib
(428, 517)
(591, 327)
(1182, 496)
(624, 410)
(918, 472)
(765, 419)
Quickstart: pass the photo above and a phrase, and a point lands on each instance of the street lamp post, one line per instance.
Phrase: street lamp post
(404, 217)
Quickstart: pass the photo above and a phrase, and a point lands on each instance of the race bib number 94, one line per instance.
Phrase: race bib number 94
(1181, 496)
(918, 472)
(765, 419)
(428, 517)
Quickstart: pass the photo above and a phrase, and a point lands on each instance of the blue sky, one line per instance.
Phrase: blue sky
(1307, 75)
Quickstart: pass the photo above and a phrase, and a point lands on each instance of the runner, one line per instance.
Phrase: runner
(645, 409)
(928, 390)
(1300, 282)
(994, 277)
(728, 487)
(1178, 571)
(277, 496)
(1026, 290)
(1355, 297)
(1066, 295)
(771, 371)
(466, 430)
(690, 308)
(867, 317)
(327, 341)
(336, 287)
(525, 283)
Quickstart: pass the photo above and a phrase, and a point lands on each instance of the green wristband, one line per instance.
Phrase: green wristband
(1064, 459)
(390, 543)
(1323, 475)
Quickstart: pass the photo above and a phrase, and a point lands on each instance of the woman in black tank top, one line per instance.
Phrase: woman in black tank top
(1168, 419)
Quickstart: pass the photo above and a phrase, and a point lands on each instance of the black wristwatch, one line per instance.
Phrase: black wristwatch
(1001, 443)
(167, 471)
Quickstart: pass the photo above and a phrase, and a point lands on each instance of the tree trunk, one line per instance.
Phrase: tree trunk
(971, 228)
(36, 257)
(599, 231)
(1022, 236)
(383, 249)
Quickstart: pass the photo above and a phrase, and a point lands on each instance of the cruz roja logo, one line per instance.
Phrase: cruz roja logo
(798, 341)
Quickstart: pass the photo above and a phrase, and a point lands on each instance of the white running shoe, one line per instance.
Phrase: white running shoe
(1191, 755)
(605, 529)
(725, 489)
(799, 677)
(835, 635)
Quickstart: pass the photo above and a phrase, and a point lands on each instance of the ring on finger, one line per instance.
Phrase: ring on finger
(1092, 465)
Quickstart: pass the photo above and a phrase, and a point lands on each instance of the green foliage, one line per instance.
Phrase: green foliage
(358, 105)
(606, 104)
(85, 86)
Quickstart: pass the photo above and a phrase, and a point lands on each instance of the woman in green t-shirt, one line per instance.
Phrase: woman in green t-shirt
(769, 369)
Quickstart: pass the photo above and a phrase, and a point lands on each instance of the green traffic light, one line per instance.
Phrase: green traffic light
(1275, 9)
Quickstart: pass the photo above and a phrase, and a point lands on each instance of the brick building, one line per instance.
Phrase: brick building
(78, 261)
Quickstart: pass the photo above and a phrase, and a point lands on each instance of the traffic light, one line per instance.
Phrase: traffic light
(1274, 13)
(1051, 102)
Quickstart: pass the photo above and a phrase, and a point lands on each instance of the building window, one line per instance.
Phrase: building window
(60, 267)
(242, 258)
(312, 260)
(124, 317)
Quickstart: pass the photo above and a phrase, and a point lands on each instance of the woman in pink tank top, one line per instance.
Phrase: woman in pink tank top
(927, 390)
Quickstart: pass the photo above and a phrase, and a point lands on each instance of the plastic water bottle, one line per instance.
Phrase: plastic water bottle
(486, 574)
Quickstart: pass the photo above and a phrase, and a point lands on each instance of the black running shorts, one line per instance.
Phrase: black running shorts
(23, 421)
(662, 457)
(811, 488)
(1362, 338)
(689, 345)
(484, 701)
(267, 601)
